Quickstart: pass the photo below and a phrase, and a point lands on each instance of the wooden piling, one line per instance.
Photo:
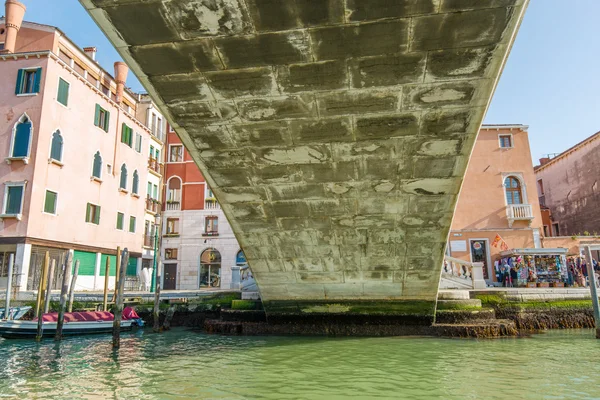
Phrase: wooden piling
(118, 268)
(50, 281)
(106, 273)
(64, 291)
(72, 289)
(118, 310)
(156, 312)
(11, 263)
(38, 306)
(167, 323)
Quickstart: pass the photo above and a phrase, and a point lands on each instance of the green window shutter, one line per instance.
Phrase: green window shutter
(130, 137)
(21, 141)
(112, 270)
(132, 267)
(123, 133)
(87, 262)
(63, 92)
(97, 115)
(106, 119)
(120, 217)
(56, 146)
(50, 202)
(38, 78)
(97, 220)
(13, 199)
(88, 212)
(19, 85)
(132, 224)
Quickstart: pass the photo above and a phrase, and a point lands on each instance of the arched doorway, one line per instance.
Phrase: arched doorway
(210, 268)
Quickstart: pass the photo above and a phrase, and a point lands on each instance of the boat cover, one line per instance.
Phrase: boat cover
(128, 313)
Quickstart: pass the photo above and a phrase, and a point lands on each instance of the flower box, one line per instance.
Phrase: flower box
(558, 284)
(531, 284)
(543, 284)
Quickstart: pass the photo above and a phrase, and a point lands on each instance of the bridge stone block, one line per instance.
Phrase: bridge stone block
(334, 133)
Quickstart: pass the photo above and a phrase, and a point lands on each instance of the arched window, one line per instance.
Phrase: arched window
(56, 147)
(210, 268)
(123, 184)
(240, 258)
(97, 169)
(136, 183)
(174, 189)
(512, 186)
(21, 137)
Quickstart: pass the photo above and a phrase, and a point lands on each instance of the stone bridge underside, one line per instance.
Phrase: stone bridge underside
(334, 133)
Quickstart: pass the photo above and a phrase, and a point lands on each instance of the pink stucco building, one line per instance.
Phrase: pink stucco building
(498, 197)
(75, 167)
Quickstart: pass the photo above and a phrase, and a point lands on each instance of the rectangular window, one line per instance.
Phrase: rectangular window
(63, 92)
(50, 202)
(505, 141)
(545, 230)
(172, 226)
(92, 214)
(120, 219)
(101, 118)
(126, 135)
(211, 225)
(106, 90)
(13, 199)
(138, 142)
(176, 153)
(132, 224)
(151, 151)
(28, 81)
(541, 187)
(155, 192)
(149, 193)
(171, 254)
(555, 230)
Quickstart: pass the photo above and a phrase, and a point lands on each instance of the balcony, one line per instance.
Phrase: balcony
(149, 241)
(152, 205)
(519, 212)
(173, 205)
(155, 166)
(211, 204)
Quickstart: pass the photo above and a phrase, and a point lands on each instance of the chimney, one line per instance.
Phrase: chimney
(90, 52)
(544, 160)
(15, 11)
(121, 70)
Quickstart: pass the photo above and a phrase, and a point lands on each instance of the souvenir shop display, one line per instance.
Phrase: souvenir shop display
(532, 268)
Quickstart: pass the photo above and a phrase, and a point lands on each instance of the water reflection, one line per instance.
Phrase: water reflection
(185, 364)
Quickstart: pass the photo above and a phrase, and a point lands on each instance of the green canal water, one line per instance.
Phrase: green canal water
(184, 364)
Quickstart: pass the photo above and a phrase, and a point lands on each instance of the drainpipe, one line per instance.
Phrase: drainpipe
(15, 11)
(121, 71)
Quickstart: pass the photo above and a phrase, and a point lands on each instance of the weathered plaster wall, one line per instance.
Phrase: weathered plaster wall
(572, 190)
(335, 134)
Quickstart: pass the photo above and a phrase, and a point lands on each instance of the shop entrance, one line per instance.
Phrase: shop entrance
(480, 253)
(210, 268)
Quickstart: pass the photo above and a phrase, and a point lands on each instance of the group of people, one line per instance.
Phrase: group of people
(578, 271)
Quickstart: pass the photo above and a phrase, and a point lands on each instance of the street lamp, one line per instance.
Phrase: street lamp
(154, 266)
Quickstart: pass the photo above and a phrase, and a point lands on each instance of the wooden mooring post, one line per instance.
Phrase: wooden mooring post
(50, 281)
(72, 288)
(156, 312)
(118, 310)
(118, 270)
(106, 273)
(589, 262)
(38, 304)
(64, 291)
(11, 264)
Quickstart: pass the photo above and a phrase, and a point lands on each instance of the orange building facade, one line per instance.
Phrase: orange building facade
(498, 206)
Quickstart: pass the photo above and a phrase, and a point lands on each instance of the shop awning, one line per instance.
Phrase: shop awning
(558, 251)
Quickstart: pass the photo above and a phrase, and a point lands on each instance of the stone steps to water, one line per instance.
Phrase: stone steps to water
(458, 304)
(464, 316)
(454, 295)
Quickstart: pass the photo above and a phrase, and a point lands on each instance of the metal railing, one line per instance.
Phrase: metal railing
(152, 205)
(155, 165)
(470, 272)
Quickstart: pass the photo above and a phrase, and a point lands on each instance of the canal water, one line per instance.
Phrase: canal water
(184, 364)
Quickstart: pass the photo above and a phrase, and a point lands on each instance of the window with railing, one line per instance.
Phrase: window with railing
(174, 193)
(211, 225)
